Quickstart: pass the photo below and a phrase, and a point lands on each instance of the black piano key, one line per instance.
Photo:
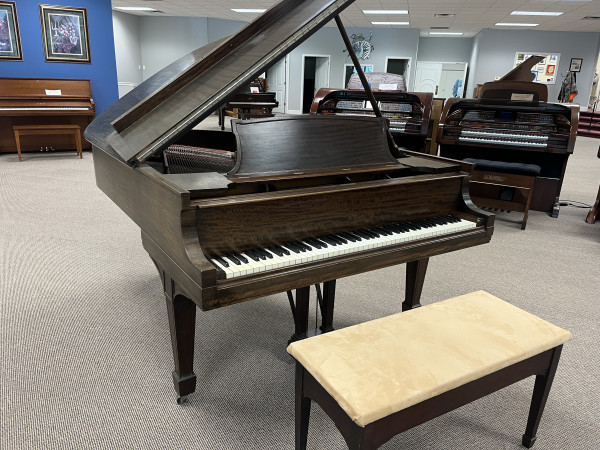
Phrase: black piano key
(351, 237)
(276, 250)
(233, 259)
(240, 257)
(329, 240)
(252, 254)
(292, 247)
(221, 261)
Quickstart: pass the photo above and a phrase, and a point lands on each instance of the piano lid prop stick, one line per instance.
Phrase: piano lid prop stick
(356, 63)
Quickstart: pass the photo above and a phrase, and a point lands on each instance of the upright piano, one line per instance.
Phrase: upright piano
(408, 113)
(310, 199)
(43, 101)
(511, 121)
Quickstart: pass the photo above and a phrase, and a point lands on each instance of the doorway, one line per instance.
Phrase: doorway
(398, 65)
(444, 79)
(316, 76)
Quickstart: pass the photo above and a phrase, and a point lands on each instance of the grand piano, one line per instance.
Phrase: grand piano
(43, 101)
(310, 199)
(512, 121)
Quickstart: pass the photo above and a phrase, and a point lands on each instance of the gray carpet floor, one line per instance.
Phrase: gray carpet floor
(85, 350)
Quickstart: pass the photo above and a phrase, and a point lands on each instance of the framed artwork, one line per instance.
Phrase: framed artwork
(65, 34)
(10, 41)
(543, 72)
(575, 64)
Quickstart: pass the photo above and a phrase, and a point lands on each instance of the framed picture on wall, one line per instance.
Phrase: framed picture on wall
(575, 64)
(10, 41)
(65, 34)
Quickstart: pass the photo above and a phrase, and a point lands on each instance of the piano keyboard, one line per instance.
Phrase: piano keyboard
(505, 139)
(312, 249)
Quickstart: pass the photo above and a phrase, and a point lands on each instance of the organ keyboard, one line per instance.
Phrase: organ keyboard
(511, 122)
(43, 101)
(311, 199)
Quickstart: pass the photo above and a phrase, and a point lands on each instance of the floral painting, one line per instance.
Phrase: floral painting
(10, 42)
(65, 33)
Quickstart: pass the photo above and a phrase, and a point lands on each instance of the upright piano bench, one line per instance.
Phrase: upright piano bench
(382, 377)
(29, 130)
(503, 185)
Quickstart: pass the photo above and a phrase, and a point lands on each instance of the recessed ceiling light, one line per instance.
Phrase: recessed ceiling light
(134, 8)
(383, 11)
(535, 13)
(389, 23)
(446, 33)
(237, 10)
(506, 24)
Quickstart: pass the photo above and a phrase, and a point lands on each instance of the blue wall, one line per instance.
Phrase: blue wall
(102, 72)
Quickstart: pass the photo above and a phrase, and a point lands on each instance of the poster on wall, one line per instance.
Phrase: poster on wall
(65, 34)
(544, 71)
(10, 41)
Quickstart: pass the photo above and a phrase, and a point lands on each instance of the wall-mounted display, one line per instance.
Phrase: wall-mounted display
(575, 65)
(545, 70)
(65, 34)
(10, 41)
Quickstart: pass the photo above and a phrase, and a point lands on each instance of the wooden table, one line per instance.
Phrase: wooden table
(29, 130)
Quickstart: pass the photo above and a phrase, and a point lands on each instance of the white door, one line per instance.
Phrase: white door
(428, 76)
(277, 83)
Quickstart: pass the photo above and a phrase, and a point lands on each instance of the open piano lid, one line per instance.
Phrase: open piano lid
(174, 100)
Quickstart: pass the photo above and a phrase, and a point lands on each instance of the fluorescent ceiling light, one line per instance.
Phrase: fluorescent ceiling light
(248, 10)
(447, 33)
(389, 23)
(535, 13)
(506, 24)
(383, 11)
(134, 8)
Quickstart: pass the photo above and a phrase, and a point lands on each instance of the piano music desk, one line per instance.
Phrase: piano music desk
(30, 130)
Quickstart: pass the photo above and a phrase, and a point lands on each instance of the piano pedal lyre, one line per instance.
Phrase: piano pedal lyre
(300, 310)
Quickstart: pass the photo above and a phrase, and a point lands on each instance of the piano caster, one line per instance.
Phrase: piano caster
(181, 400)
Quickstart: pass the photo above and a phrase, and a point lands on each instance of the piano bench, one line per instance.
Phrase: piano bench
(30, 130)
(503, 185)
(379, 378)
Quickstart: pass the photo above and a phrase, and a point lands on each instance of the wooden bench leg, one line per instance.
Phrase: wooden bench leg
(541, 389)
(18, 141)
(78, 143)
(302, 410)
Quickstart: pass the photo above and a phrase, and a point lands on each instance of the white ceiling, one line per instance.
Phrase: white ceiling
(471, 15)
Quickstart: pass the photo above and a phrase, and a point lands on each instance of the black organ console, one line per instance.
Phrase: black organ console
(310, 199)
(512, 122)
(43, 101)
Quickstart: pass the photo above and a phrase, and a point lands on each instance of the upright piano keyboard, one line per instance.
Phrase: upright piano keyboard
(311, 199)
(43, 101)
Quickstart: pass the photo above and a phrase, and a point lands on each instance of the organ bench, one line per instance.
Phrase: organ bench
(382, 377)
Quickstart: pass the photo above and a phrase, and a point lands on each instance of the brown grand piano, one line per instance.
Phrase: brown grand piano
(48, 101)
(311, 199)
(408, 113)
(511, 121)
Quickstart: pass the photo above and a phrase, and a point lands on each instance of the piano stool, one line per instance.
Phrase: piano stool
(382, 377)
(30, 130)
(503, 185)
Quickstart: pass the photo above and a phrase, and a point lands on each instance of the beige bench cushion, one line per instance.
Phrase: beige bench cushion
(380, 367)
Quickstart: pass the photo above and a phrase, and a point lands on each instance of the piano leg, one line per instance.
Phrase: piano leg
(182, 323)
(415, 276)
(326, 301)
(300, 312)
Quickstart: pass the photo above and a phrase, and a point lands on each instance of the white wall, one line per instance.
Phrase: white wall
(128, 52)
(445, 49)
